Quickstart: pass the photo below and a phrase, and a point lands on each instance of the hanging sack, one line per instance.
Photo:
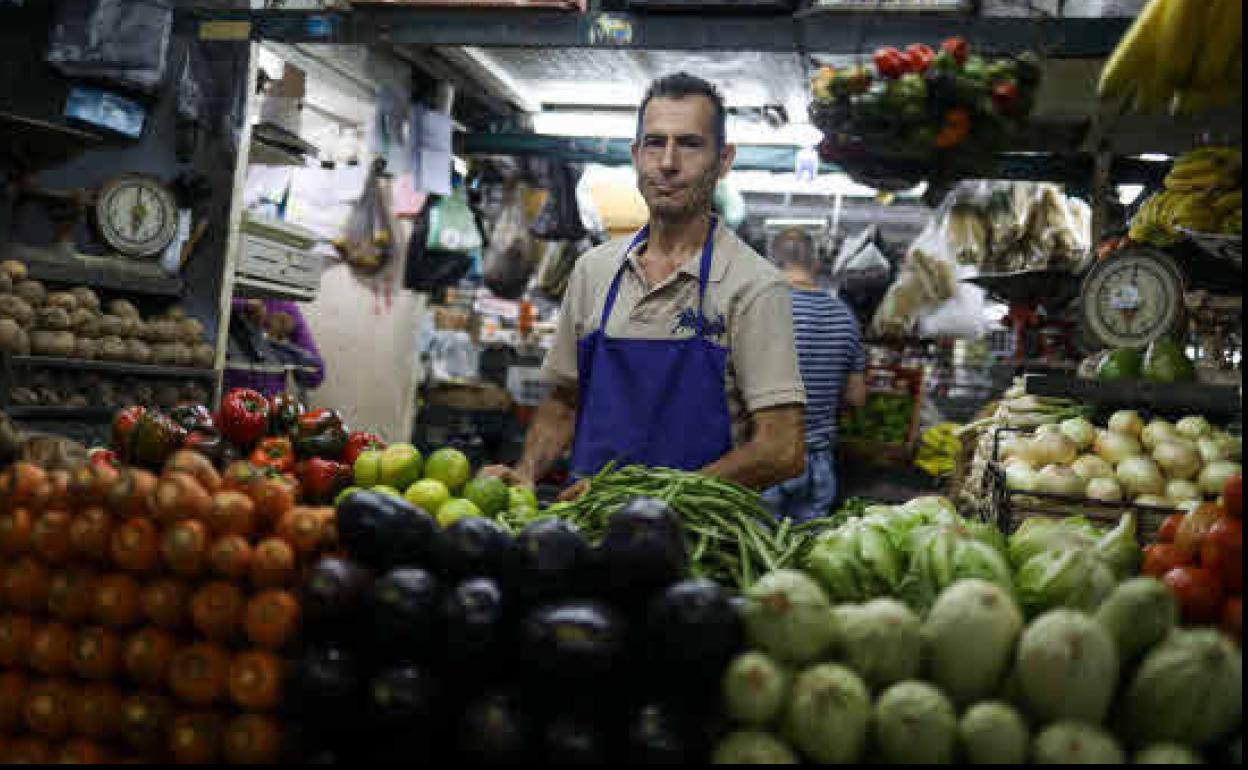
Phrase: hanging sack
(508, 257)
(431, 270)
(368, 242)
(560, 217)
(452, 225)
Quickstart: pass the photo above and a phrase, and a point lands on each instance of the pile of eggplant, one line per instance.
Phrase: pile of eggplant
(469, 645)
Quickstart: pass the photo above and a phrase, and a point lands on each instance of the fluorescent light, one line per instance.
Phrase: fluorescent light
(1127, 193)
(1155, 157)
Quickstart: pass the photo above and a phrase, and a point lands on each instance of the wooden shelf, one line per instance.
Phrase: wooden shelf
(105, 273)
(119, 367)
(76, 413)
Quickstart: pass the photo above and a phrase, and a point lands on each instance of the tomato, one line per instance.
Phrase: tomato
(50, 537)
(16, 632)
(217, 610)
(255, 680)
(303, 528)
(274, 496)
(273, 564)
(80, 751)
(146, 655)
(1195, 525)
(28, 751)
(1233, 495)
(1233, 617)
(240, 475)
(195, 739)
(1198, 591)
(136, 545)
(58, 489)
(90, 484)
(131, 494)
(70, 594)
(232, 513)
(272, 618)
(1223, 552)
(145, 718)
(197, 465)
(95, 711)
(96, 653)
(12, 696)
(24, 484)
(253, 739)
(26, 585)
(47, 708)
(198, 674)
(15, 530)
(166, 603)
(184, 547)
(50, 648)
(230, 557)
(90, 534)
(179, 496)
(1169, 528)
(117, 601)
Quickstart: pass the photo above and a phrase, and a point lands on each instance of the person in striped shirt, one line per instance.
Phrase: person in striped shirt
(831, 359)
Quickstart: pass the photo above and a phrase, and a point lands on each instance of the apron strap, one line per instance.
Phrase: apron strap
(614, 290)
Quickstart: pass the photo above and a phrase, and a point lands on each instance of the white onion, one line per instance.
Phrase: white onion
(1103, 489)
(1092, 467)
(1156, 431)
(1020, 477)
(1046, 430)
(1011, 445)
(1126, 421)
(1193, 427)
(1214, 476)
(1052, 448)
(1139, 475)
(1180, 490)
(1113, 447)
(1081, 432)
(1059, 480)
(1157, 501)
(1233, 445)
(1177, 460)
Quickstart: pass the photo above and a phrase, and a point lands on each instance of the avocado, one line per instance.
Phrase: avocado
(1166, 362)
(1121, 364)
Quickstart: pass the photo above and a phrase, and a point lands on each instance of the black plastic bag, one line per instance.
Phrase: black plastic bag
(431, 270)
(122, 42)
(560, 217)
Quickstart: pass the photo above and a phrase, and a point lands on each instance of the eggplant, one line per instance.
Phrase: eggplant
(574, 642)
(384, 532)
(693, 631)
(657, 736)
(405, 604)
(474, 613)
(335, 594)
(403, 696)
(548, 561)
(327, 687)
(569, 740)
(473, 547)
(494, 728)
(643, 549)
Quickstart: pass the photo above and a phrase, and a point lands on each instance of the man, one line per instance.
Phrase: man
(830, 355)
(674, 347)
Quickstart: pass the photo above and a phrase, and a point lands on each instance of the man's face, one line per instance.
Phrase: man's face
(677, 160)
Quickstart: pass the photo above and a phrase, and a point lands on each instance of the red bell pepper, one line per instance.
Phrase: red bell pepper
(919, 57)
(956, 128)
(958, 49)
(889, 62)
(1005, 97)
(244, 416)
(208, 442)
(321, 433)
(323, 479)
(359, 441)
(276, 453)
(284, 413)
(123, 426)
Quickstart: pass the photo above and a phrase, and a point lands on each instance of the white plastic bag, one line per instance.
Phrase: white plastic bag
(961, 316)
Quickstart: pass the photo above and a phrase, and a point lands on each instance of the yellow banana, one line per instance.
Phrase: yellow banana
(1179, 39)
(1223, 35)
(1134, 54)
(1194, 100)
(1228, 202)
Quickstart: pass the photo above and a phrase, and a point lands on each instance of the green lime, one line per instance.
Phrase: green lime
(428, 494)
(488, 493)
(343, 494)
(455, 509)
(400, 465)
(521, 497)
(385, 489)
(450, 466)
(367, 468)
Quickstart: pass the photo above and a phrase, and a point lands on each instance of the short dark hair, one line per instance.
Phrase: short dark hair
(678, 85)
(795, 246)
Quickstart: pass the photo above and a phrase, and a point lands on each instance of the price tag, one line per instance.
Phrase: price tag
(610, 29)
(219, 30)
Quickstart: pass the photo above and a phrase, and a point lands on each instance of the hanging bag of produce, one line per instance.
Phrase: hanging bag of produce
(508, 260)
(367, 244)
(560, 217)
(452, 225)
(123, 42)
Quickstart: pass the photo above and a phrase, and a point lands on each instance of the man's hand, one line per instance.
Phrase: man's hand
(510, 476)
(574, 492)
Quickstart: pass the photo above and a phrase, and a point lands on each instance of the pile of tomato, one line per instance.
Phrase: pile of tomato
(1199, 555)
(145, 616)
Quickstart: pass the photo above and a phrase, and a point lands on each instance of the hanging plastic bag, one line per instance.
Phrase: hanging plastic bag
(928, 278)
(431, 270)
(555, 269)
(959, 317)
(452, 225)
(123, 42)
(560, 217)
(508, 256)
(367, 243)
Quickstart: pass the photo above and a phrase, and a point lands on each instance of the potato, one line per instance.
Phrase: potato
(6, 283)
(52, 319)
(123, 308)
(24, 397)
(110, 326)
(10, 336)
(13, 306)
(130, 327)
(86, 323)
(62, 299)
(52, 343)
(203, 355)
(32, 291)
(176, 313)
(164, 331)
(183, 354)
(138, 352)
(190, 331)
(50, 397)
(164, 354)
(16, 271)
(86, 298)
(113, 348)
(87, 348)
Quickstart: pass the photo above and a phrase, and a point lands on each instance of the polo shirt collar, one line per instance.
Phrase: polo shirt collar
(719, 258)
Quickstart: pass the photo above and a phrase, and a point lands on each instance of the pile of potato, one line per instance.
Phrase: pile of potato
(74, 324)
(45, 387)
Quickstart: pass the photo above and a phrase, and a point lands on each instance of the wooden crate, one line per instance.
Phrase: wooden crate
(898, 380)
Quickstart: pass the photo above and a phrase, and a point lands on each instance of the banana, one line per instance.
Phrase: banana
(1134, 54)
(1179, 38)
(1228, 202)
(1224, 34)
(1195, 100)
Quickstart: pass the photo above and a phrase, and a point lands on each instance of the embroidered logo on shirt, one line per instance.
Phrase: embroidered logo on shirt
(711, 327)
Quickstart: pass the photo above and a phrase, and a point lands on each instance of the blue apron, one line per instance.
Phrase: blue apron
(656, 402)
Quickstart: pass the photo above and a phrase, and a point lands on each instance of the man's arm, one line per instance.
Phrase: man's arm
(856, 390)
(549, 437)
(776, 452)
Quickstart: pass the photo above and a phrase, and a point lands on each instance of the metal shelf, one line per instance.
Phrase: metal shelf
(839, 32)
(76, 413)
(258, 288)
(247, 366)
(119, 367)
(1170, 397)
(106, 273)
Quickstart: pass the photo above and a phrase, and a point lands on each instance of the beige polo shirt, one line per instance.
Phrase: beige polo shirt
(746, 303)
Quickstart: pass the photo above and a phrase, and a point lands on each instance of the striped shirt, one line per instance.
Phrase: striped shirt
(829, 349)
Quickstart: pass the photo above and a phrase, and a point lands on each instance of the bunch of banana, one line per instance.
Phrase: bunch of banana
(1203, 193)
(1159, 219)
(1207, 168)
(938, 450)
(1185, 55)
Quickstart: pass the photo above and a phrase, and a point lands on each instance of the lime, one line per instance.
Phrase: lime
(385, 489)
(455, 509)
(428, 494)
(521, 497)
(450, 466)
(367, 468)
(343, 494)
(400, 465)
(488, 493)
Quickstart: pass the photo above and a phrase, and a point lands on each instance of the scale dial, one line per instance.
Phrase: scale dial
(137, 215)
(1133, 298)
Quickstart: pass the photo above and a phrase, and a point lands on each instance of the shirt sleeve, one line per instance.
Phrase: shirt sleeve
(764, 354)
(560, 364)
(858, 360)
